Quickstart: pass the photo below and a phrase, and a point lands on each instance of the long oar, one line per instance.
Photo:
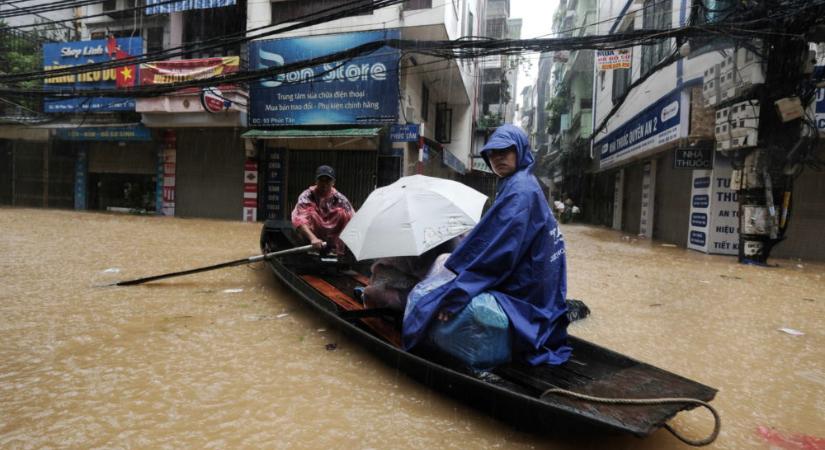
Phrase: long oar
(238, 262)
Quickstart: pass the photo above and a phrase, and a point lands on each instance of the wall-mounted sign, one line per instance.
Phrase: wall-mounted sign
(614, 59)
(693, 158)
(363, 89)
(166, 7)
(404, 133)
(70, 54)
(714, 212)
(479, 165)
(134, 133)
(213, 101)
(658, 124)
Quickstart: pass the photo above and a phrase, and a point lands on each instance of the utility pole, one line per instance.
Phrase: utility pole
(766, 173)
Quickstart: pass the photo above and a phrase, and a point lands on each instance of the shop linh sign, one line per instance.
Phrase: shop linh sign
(693, 158)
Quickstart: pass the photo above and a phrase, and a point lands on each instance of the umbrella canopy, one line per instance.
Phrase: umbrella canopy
(411, 216)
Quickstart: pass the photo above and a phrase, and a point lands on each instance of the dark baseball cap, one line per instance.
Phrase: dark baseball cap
(324, 171)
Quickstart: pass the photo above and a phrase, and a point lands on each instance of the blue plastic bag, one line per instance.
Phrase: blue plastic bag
(478, 336)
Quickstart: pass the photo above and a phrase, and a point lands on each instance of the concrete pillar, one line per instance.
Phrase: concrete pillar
(175, 31)
(258, 14)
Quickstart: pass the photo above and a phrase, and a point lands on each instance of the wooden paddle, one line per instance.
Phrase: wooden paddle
(238, 262)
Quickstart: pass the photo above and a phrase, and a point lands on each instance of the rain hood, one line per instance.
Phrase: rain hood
(516, 253)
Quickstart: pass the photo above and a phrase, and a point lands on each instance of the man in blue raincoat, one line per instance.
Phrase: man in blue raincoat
(515, 253)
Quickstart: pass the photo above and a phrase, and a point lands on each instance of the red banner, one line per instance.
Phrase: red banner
(167, 72)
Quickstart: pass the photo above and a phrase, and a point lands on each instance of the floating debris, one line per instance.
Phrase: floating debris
(111, 270)
(232, 291)
(281, 315)
(791, 331)
(331, 346)
(669, 245)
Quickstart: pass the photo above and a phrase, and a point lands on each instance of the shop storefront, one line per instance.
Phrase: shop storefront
(200, 156)
(336, 114)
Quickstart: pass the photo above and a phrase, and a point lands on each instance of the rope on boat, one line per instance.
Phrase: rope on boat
(717, 421)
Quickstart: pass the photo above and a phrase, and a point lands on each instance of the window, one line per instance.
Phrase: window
(657, 16)
(418, 4)
(297, 10)
(425, 103)
(443, 123)
(621, 83)
(154, 39)
(109, 5)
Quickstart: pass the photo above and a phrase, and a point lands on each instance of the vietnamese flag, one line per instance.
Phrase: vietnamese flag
(125, 76)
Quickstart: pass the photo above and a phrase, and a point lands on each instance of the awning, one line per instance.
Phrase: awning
(287, 133)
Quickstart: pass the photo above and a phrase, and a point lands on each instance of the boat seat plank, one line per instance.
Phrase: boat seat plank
(347, 303)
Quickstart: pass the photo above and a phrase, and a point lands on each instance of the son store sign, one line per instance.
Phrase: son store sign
(363, 89)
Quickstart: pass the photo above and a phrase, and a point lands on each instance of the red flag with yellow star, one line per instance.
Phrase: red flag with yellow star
(125, 76)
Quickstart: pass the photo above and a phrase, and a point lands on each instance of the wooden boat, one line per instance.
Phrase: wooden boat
(512, 393)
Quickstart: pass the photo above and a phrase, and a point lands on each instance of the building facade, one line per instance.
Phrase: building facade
(244, 150)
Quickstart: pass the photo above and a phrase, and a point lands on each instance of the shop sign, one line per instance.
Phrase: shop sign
(658, 124)
(165, 6)
(274, 181)
(169, 155)
(71, 54)
(693, 158)
(479, 165)
(453, 162)
(213, 101)
(724, 211)
(714, 212)
(699, 195)
(135, 133)
(250, 191)
(614, 59)
(363, 89)
(404, 133)
(81, 170)
(168, 72)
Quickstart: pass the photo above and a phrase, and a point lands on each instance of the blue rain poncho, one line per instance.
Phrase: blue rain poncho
(516, 253)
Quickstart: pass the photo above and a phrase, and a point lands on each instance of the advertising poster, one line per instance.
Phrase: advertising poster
(363, 89)
(714, 213)
(614, 59)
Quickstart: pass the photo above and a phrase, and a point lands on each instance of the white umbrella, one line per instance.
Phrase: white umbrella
(411, 216)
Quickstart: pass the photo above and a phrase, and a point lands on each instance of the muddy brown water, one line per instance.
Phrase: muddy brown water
(230, 359)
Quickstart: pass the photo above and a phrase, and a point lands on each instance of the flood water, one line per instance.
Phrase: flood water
(230, 359)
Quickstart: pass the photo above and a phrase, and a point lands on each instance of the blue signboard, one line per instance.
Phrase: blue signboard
(698, 238)
(701, 201)
(701, 182)
(357, 90)
(81, 170)
(658, 124)
(135, 133)
(699, 219)
(404, 133)
(70, 54)
(183, 5)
